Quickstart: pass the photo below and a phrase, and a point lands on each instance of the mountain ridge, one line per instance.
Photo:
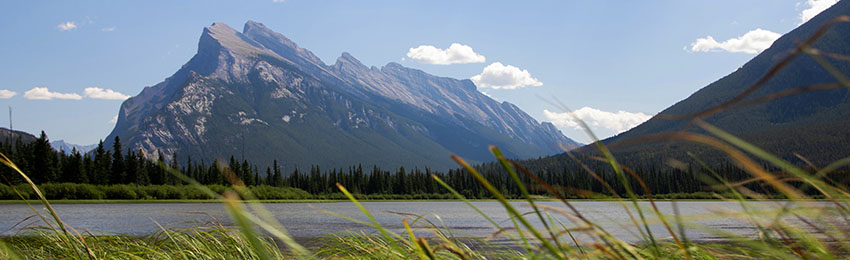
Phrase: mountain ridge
(67, 148)
(259, 90)
(780, 126)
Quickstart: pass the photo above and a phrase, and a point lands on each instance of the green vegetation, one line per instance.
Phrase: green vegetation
(75, 191)
(103, 174)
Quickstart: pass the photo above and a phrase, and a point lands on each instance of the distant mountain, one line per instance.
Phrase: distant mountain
(256, 94)
(6, 134)
(61, 145)
(815, 124)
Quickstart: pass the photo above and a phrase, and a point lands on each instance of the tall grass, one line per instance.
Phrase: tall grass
(819, 230)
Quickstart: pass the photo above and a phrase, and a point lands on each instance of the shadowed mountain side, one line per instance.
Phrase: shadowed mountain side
(815, 125)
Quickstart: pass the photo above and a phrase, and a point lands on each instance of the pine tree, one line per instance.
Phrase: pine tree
(257, 176)
(175, 165)
(102, 164)
(88, 168)
(142, 172)
(235, 170)
(246, 175)
(72, 168)
(214, 173)
(157, 174)
(118, 174)
(277, 179)
(42, 164)
(132, 167)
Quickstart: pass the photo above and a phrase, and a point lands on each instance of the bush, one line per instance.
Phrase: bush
(164, 192)
(265, 192)
(6, 192)
(121, 192)
(71, 191)
(193, 193)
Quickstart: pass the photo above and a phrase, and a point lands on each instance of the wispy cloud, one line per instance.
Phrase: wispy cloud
(7, 94)
(67, 26)
(751, 42)
(108, 94)
(45, 94)
(499, 76)
(617, 122)
(108, 29)
(814, 8)
(456, 54)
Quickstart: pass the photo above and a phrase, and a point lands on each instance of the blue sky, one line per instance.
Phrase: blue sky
(71, 63)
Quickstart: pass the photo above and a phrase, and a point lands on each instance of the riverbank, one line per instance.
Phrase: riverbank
(211, 201)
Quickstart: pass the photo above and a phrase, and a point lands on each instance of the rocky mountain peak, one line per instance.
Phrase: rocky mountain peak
(280, 44)
(346, 63)
(394, 65)
(258, 89)
(220, 35)
(258, 30)
(348, 58)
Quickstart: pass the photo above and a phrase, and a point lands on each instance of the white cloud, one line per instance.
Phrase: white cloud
(45, 94)
(108, 29)
(67, 26)
(114, 119)
(7, 94)
(815, 7)
(751, 42)
(759, 39)
(455, 54)
(99, 93)
(618, 122)
(498, 76)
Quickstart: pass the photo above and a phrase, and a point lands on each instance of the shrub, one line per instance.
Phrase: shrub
(121, 191)
(165, 192)
(265, 192)
(71, 191)
(193, 193)
(6, 192)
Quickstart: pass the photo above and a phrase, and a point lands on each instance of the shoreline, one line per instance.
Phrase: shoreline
(111, 201)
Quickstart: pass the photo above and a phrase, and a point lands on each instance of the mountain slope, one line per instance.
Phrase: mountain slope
(7, 135)
(812, 124)
(61, 145)
(258, 95)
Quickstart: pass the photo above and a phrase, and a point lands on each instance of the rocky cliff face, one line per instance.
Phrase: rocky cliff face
(259, 95)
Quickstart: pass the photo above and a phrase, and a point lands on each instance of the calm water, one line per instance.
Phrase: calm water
(308, 220)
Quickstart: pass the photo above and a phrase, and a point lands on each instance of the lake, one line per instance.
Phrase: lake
(309, 220)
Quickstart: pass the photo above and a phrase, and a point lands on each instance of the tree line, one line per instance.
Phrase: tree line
(117, 166)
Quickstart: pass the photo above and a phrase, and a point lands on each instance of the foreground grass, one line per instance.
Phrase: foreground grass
(194, 243)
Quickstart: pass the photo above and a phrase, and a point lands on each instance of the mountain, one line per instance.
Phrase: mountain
(257, 95)
(814, 124)
(61, 145)
(14, 135)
